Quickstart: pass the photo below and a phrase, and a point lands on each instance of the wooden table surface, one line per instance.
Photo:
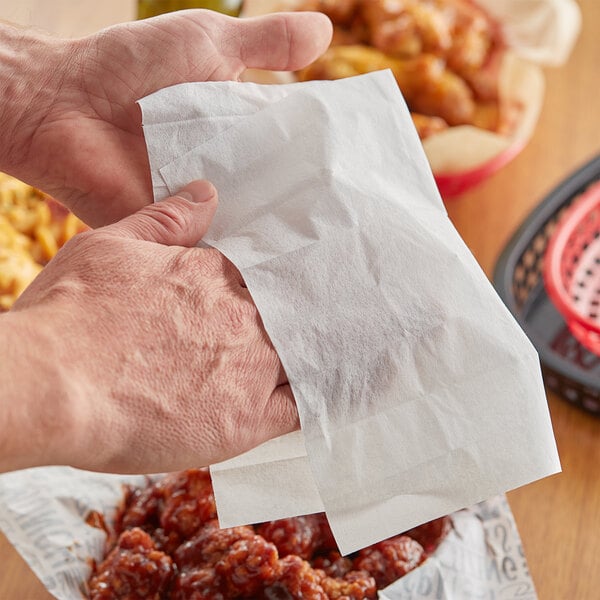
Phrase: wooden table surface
(558, 517)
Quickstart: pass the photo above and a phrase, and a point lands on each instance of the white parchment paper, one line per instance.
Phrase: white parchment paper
(418, 393)
(43, 511)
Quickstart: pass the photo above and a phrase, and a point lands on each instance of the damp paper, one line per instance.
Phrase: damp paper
(418, 393)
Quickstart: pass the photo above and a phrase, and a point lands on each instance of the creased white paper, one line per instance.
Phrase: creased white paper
(418, 393)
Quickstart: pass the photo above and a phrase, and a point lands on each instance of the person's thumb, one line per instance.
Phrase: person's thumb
(181, 220)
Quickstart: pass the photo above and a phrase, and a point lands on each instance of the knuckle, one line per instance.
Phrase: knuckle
(78, 252)
(212, 263)
(170, 216)
(204, 263)
(81, 241)
(199, 278)
(95, 245)
(241, 424)
(166, 218)
(232, 272)
(239, 316)
(208, 267)
(187, 266)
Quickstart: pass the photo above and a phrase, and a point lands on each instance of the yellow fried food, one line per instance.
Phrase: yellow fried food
(428, 87)
(30, 235)
(17, 271)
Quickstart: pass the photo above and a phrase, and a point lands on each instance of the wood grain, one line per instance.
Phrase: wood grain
(559, 517)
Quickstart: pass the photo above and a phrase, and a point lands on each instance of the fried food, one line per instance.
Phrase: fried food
(426, 125)
(167, 543)
(133, 569)
(30, 235)
(391, 559)
(300, 536)
(444, 54)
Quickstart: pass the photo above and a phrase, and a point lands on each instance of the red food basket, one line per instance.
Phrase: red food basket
(452, 185)
(572, 268)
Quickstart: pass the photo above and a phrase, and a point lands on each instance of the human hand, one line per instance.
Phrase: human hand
(149, 356)
(70, 122)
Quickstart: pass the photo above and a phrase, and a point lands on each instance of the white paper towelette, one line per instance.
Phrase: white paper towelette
(418, 394)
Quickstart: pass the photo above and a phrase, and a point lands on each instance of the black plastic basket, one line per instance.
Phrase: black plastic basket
(569, 369)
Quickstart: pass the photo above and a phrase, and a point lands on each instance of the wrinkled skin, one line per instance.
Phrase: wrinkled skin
(162, 358)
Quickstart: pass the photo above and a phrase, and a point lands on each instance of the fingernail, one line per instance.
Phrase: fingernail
(198, 191)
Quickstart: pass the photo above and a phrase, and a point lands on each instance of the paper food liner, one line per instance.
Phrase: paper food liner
(538, 31)
(43, 512)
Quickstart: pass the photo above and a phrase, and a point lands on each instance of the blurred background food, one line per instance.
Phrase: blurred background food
(151, 8)
(32, 229)
(469, 70)
(444, 54)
